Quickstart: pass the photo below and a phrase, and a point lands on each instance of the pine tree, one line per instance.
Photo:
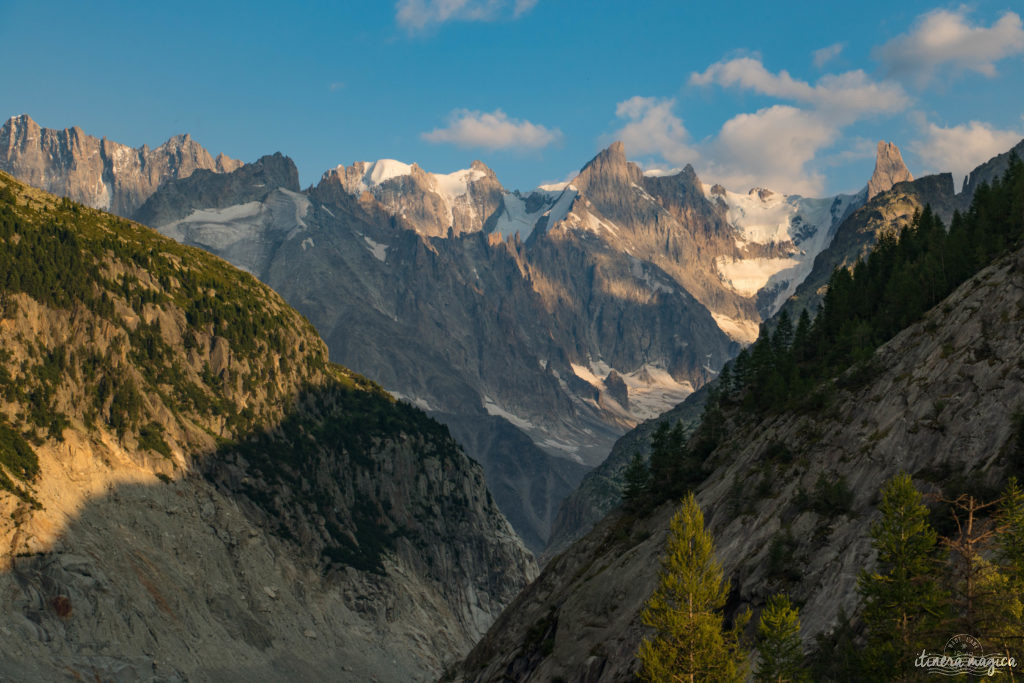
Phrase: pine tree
(779, 648)
(802, 338)
(976, 593)
(1010, 534)
(637, 479)
(902, 600)
(782, 338)
(662, 462)
(690, 643)
(1009, 541)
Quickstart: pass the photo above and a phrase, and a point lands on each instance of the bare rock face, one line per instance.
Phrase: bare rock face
(98, 172)
(493, 335)
(889, 169)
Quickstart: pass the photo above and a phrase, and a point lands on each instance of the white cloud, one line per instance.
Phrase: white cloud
(845, 97)
(771, 147)
(944, 38)
(827, 54)
(959, 149)
(492, 130)
(749, 73)
(777, 146)
(652, 128)
(418, 15)
(522, 7)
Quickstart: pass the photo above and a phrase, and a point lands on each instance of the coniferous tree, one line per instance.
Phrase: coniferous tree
(902, 600)
(1010, 533)
(976, 589)
(661, 462)
(637, 480)
(802, 338)
(836, 655)
(1008, 591)
(690, 642)
(782, 338)
(779, 648)
(724, 379)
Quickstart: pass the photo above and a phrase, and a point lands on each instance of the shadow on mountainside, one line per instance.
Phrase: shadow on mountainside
(353, 538)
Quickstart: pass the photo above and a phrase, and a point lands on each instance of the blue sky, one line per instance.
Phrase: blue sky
(773, 94)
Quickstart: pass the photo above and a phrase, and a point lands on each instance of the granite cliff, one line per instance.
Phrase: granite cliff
(98, 172)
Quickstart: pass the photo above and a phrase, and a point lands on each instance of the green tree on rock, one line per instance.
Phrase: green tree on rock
(902, 599)
(1007, 626)
(1010, 534)
(637, 478)
(691, 642)
(779, 649)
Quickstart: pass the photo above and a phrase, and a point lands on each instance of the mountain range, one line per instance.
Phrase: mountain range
(191, 486)
(538, 326)
(791, 491)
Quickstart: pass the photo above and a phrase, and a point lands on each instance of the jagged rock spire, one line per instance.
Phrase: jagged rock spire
(889, 169)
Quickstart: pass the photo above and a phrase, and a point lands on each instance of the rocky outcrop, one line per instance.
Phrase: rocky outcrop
(98, 172)
(937, 401)
(196, 493)
(205, 189)
(987, 172)
(889, 169)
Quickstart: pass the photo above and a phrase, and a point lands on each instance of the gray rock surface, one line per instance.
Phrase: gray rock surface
(987, 172)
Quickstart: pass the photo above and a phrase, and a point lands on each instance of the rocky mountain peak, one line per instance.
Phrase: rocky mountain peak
(609, 169)
(478, 165)
(612, 157)
(18, 126)
(889, 169)
(22, 120)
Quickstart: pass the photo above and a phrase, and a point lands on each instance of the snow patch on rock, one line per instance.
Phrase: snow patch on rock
(379, 251)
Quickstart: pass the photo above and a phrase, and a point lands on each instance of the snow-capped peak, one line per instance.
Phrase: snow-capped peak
(377, 172)
(367, 175)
